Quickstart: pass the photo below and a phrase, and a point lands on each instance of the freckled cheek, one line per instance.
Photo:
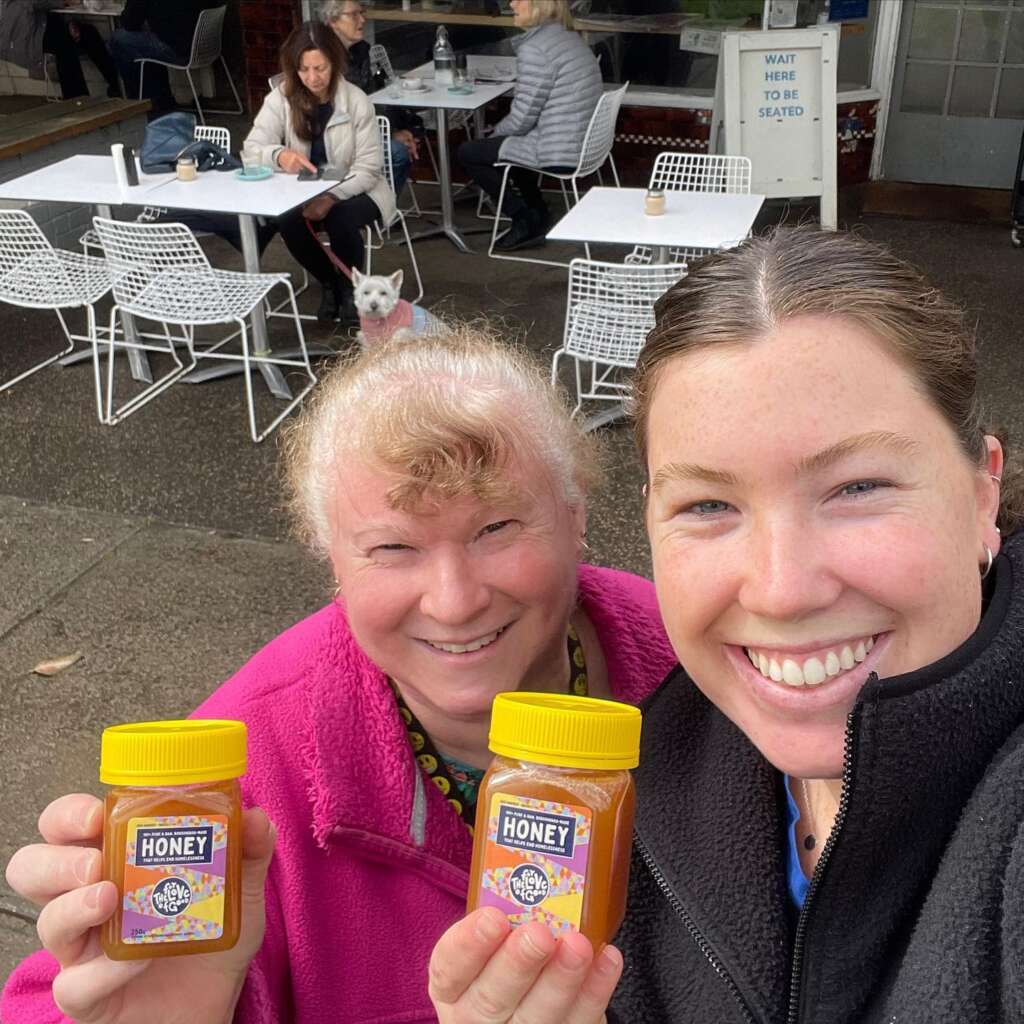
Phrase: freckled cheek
(694, 588)
(380, 616)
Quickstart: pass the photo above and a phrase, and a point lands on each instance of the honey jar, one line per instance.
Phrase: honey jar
(654, 202)
(186, 168)
(554, 819)
(172, 836)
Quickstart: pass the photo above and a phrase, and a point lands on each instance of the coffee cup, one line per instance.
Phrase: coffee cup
(412, 82)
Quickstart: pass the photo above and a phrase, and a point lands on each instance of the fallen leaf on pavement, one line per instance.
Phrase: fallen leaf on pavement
(55, 665)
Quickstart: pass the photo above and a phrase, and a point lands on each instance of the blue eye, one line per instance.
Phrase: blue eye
(495, 527)
(708, 508)
(860, 487)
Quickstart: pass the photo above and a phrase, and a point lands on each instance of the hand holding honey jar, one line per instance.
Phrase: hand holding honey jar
(65, 876)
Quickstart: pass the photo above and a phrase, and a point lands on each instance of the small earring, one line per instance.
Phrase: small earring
(643, 490)
(988, 567)
(337, 591)
(583, 542)
(998, 479)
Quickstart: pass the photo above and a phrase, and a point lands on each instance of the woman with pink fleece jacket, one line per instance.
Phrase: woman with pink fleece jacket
(447, 485)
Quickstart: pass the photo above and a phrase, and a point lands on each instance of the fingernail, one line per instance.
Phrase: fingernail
(609, 961)
(92, 897)
(488, 928)
(87, 820)
(531, 948)
(83, 867)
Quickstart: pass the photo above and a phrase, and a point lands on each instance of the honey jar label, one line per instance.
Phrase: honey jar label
(174, 879)
(535, 861)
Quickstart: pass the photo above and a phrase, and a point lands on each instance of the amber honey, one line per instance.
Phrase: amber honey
(555, 813)
(172, 837)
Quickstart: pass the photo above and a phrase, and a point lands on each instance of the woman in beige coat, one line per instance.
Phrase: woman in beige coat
(313, 118)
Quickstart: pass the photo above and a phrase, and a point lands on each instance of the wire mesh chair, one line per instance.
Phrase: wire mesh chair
(35, 275)
(201, 133)
(206, 51)
(594, 154)
(383, 230)
(159, 272)
(609, 312)
(380, 64)
(694, 172)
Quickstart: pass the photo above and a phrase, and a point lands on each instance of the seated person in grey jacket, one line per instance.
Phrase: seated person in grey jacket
(558, 86)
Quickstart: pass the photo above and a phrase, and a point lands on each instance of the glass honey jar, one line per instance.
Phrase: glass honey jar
(554, 820)
(172, 836)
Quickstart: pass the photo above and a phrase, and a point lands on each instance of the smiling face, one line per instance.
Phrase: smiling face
(810, 511)
(461, 600)
(521, 12)
(315, 73)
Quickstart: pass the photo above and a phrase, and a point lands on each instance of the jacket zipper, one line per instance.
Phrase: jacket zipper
(801, 926)
(688, 923)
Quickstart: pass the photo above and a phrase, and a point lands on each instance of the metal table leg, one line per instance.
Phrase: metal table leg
(447, 225)
(260, 342)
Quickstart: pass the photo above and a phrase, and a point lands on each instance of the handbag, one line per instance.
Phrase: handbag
(210, 157)
(165, 137)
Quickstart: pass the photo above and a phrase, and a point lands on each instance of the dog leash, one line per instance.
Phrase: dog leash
(331, 254)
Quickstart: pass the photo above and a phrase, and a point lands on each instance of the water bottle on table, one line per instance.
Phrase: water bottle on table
(444, 58)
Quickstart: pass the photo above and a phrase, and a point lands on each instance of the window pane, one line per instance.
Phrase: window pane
(924, 88)
(932, 34)
(1011, 94)
(972, 91)
(1015, 42)
(981, 35)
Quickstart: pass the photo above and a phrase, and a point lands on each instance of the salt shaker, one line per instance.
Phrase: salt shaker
(654, 202)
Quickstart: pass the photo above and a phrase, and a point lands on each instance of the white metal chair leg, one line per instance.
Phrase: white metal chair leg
(41, 366)
(195, 95)
(615, 171)
(412, 257)
(227, 74)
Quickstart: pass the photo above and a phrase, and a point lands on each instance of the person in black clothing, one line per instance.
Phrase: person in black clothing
(830, 805)
(30, 28)
(155, 28)
(348, 20)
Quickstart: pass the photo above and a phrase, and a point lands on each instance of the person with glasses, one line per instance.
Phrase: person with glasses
(347, 18)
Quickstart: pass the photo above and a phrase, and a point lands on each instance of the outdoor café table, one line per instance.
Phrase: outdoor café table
(705, 220)
(90, 180)
(437, 97)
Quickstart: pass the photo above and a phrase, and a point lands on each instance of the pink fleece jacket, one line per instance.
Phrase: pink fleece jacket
(372, 863)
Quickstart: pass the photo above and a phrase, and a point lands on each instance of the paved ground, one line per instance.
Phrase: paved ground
(158, 548)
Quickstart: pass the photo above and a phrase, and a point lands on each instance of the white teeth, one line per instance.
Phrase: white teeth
(791, 673)
(814, 671)
(466, 648)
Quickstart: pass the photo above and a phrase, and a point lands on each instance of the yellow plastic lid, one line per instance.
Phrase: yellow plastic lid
(173, 753)
(565, 731)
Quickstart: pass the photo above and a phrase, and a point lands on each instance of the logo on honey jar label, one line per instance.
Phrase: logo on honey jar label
(174, 879)
(171, 897)
(535, 861)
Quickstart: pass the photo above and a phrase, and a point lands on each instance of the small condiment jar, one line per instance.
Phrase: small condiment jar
(172, 836)
(186, 168)
(554, 820)
(654, 202)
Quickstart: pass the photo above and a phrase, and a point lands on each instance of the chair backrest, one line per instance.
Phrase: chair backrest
(380, 61)
(701, 172)
(384, 129)
(215, 134)
(137, 253)
(275, 80)
(600, 137)
(206, 40)
(610, 307)
(20, 238)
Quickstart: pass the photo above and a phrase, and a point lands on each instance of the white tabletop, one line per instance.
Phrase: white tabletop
(434, 96)
(90, 179)
(482, 66)
(706, 220)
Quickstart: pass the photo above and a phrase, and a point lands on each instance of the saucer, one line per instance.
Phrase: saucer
(259, 174)
(409, 88)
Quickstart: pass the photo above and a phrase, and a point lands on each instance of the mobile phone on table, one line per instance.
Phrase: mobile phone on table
(129, 165)
(307, 175)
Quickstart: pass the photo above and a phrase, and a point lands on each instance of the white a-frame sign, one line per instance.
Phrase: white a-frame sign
(777, 93)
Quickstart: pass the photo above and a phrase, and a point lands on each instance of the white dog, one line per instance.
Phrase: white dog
(384, 314)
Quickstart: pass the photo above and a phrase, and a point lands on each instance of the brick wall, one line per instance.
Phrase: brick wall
(265, 24)
(64, 223)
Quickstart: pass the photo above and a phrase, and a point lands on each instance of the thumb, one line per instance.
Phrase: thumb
(258, 839)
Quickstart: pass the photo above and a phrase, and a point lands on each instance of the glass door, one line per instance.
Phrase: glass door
(957, 107)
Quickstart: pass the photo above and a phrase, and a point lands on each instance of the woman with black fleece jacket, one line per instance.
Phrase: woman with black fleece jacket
(830, 798)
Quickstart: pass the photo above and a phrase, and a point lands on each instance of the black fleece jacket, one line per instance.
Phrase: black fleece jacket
(916, 911)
